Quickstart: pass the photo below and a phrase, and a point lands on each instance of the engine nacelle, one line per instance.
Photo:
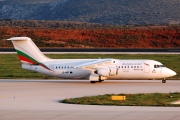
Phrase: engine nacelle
(107, 71)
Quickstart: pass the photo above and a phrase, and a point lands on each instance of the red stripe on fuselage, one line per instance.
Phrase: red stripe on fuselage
(27, 59)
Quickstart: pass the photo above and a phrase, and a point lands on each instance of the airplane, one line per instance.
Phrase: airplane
(96, 70)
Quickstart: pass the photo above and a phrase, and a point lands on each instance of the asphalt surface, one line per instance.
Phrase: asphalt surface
(39, 100)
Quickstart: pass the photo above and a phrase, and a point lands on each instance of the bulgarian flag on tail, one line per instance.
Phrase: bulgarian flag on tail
(27, 59)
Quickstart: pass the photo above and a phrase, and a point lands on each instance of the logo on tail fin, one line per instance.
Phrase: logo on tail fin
(27, 59)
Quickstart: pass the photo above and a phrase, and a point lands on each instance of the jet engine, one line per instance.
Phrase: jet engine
(106, 71)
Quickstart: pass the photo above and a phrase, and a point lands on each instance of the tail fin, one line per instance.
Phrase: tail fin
(27, 51)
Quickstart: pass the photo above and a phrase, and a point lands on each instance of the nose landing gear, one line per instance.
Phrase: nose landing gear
(164, 80)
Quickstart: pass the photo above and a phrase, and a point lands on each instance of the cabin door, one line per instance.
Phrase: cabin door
(146, 68)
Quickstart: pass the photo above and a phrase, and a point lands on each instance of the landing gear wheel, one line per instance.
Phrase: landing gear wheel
(163, 81)
(101, 80)
(93, 82)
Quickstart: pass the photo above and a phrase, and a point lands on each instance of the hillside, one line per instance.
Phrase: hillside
(119, 12)
(119, 37)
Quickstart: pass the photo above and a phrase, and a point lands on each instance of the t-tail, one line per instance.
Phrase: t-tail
(27, 51)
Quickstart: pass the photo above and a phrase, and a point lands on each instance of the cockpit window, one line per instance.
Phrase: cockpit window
(162, 66)
(158, 66)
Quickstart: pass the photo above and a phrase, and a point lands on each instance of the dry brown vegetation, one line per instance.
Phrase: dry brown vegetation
(117, 37)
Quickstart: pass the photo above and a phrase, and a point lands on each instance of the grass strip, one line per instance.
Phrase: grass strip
(150, 99)
(10, 66)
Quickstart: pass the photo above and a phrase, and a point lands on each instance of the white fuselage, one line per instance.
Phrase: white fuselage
(115, 69)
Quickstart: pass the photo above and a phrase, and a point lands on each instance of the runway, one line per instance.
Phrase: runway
(39, 100)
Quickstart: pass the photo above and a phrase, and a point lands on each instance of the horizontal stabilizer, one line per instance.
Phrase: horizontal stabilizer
(18, 38)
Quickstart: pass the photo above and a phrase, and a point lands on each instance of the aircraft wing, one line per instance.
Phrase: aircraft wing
(95, 64)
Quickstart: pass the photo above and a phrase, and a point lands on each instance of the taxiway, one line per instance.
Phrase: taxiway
(39, 100)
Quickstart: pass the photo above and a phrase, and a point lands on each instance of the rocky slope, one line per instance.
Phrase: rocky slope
(97, 11)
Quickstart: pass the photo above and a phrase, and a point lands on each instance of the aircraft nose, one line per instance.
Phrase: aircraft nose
(171, 73)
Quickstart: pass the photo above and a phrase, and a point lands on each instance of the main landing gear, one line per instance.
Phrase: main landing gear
(93, 78)
(96, 81)
(101, 80)
(164, 80)
(93, 82)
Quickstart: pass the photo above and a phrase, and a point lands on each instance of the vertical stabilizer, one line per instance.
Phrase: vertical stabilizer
(27, 51)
